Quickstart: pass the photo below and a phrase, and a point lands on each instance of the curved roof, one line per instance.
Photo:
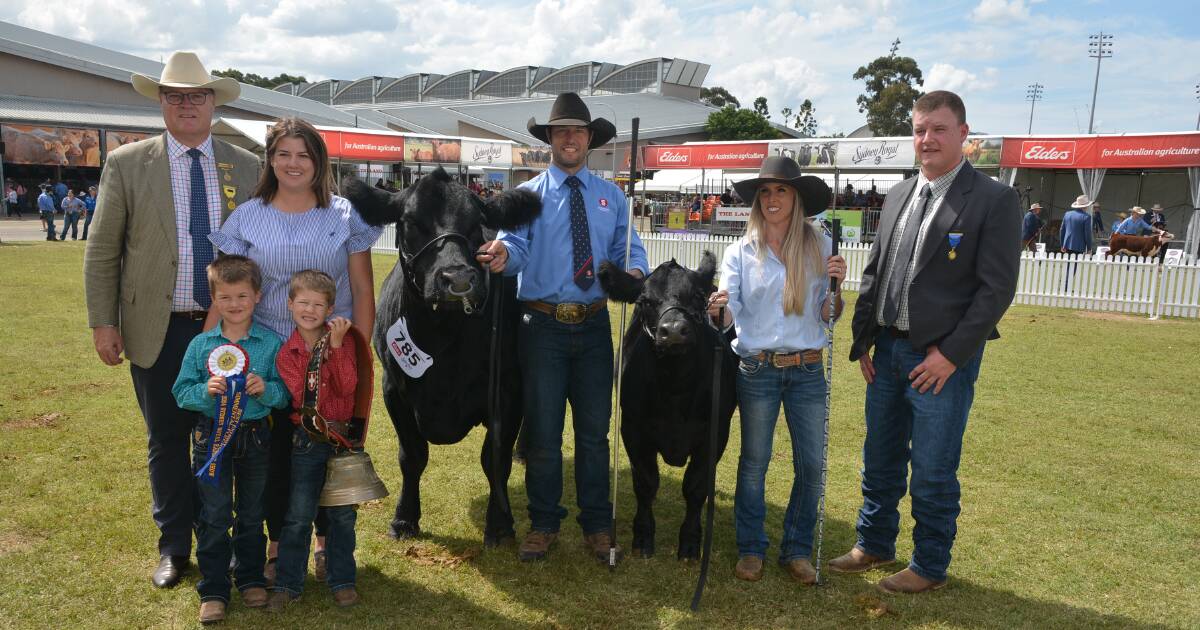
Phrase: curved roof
(455, 86)
(511, 83)
(320, 91)
(355, 92)
(573, 78)
(630, 78)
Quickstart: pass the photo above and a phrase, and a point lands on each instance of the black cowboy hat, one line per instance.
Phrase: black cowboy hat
(814, 192)
(569, 110)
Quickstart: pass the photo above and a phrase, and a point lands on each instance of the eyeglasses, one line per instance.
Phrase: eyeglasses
(176, 98)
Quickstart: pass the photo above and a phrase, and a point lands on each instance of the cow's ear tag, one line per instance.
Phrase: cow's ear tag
(526, 318)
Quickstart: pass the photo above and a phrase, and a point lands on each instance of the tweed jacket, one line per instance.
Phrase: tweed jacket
(132, 251)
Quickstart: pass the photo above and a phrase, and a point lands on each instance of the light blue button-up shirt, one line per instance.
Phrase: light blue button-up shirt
(756, 301)
(539, 253)
(1134, 226)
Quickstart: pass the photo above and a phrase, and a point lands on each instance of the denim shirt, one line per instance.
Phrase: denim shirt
(756, 301)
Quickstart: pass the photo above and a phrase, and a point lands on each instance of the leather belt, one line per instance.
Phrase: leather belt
(196, 316)
(896, 332)
(568, 312)
(790, 359)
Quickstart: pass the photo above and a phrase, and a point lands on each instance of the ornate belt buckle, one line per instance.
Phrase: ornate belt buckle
(569, 313)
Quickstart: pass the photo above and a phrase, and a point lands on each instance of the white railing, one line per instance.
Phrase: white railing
(1120, 284)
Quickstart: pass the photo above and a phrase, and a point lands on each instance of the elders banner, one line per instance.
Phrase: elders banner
(1148, 151)
(748, 155)
(363, 146)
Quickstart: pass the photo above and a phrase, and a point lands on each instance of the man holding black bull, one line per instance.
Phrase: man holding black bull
(565, 342)
(938, 279)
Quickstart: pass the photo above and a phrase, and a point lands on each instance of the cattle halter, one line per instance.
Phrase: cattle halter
(410, 272)
(646, 328)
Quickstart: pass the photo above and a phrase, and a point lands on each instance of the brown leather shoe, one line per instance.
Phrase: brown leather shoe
(254, 597)
(907, 581)
(536, 545)
(269, 571)
(345, 597)
(857, 561)
(801, 570)
(600, 543)
(749, 568)
(212, 611)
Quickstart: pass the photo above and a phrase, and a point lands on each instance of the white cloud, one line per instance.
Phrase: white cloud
(999, 10)
(943, 76)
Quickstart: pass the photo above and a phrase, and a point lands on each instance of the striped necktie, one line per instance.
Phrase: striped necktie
(198, 227)
(581, 239)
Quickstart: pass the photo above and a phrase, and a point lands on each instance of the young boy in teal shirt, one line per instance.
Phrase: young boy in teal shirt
(233, 483)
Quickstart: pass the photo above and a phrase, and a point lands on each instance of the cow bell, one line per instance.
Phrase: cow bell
(350, 479)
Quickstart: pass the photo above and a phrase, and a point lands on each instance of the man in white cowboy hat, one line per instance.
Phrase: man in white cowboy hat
(1136, 225)
(564, 340)
(1158, 217)
(145, 271)
(1031, 225)
(1075, 234)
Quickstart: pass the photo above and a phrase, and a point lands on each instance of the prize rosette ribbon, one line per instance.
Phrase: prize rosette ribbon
(231, 361)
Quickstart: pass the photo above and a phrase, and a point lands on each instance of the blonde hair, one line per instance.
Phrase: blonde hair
(231, 269)
(800, 252)
(313, 280)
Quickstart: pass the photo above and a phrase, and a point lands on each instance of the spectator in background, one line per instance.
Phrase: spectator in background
(10, 200)
(1097, 221)
(72, 207)
(1076, 230)
(1158, 217)
(60, 193)
(1117, 222)
(46, 208)
(1032, 225)
(89, 203)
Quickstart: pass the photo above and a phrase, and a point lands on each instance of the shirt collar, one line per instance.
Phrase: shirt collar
(252, 333)
(941, 183)
(558, 177)
(177, 149)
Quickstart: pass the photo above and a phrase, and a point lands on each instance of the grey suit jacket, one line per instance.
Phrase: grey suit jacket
(957, 303)
(132, 250)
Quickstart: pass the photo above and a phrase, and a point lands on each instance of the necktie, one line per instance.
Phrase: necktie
(904, 254)
(581, 239)
(198, 227)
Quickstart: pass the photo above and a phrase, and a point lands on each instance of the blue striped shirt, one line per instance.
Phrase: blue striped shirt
(541, 251)
(283, 243)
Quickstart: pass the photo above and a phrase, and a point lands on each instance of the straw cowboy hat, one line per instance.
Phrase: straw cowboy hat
(569, 110)
(1037, 206)
(1082, 201)
(1138, 210)
(184, 70)
(1157, 207)
(814, 192)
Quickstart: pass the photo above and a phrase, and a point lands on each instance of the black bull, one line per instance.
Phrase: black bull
(443, 294)
(667, 383)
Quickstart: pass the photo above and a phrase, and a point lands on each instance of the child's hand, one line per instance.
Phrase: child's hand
(255, 384)
(216, 386)
(338, 327)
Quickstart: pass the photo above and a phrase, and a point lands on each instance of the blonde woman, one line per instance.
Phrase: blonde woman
(775, 285)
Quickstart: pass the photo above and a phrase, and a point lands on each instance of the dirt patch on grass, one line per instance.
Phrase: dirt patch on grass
(44, 421)
(874, 607)
(438, 556)
(1120, 317)
(13, 542)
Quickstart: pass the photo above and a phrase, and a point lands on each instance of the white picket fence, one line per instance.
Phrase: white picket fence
(1085, 282)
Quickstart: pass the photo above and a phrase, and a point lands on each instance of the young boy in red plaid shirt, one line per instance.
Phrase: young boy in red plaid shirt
(311, 298)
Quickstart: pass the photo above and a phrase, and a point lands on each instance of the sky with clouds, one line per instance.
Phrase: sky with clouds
(987, 50)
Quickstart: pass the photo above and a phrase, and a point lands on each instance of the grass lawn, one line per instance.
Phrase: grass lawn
(1080, 474)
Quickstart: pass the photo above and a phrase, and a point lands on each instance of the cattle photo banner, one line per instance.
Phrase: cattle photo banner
(530, 157)
(50, 146)
(114, 140)
(807, 153)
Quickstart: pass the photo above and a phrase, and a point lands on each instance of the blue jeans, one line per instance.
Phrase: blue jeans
(87, 221)
(761, 389)
(70, 222)
(309, 460)
(239, 492)
(897, 416)
(561, 362)
(48, 217)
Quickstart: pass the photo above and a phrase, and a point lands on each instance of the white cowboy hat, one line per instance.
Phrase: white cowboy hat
(1158, 207)
(1082, 201)
(1138, 210)
(1036, 205)
(184, 70)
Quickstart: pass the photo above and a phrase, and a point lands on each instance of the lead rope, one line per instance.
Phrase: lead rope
(833, 287)
(713, 437)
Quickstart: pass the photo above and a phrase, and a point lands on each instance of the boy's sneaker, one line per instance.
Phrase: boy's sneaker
(345, 597)
(212, 611)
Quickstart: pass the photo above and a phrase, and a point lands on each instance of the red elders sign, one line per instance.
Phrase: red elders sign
(739, 155)
(1148, 151)
(364, 146)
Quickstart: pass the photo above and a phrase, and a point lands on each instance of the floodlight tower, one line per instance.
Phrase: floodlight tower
(1033, 95)
(1099, 46)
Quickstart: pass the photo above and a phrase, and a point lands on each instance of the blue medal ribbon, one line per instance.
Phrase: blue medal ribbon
(230, 407)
